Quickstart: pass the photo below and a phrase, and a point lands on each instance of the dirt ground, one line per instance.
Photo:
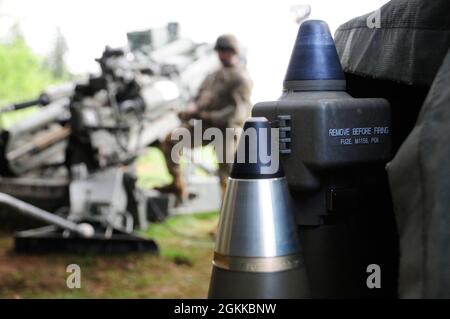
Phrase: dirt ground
(181, 270)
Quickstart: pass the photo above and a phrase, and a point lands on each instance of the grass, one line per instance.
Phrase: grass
(152, 169)
(181, 270)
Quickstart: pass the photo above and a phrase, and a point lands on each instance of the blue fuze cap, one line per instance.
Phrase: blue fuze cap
(254, 155)
(314, 58)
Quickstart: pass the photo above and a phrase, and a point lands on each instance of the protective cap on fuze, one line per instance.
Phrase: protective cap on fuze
(257, 156)
(314, 63)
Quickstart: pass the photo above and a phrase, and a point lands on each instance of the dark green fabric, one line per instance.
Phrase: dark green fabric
(409, 46)
(405, 55)
(420, 185)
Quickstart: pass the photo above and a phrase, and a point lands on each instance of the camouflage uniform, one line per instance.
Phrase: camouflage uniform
(225, 97)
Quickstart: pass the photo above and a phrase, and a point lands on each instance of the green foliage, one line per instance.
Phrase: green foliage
(152, 169)
(23, 75)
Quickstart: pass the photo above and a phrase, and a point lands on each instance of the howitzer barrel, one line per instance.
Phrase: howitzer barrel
(56, 92)
(39, 143)
(19, 106)
(41, 118)
(36, 140)
(51, 94)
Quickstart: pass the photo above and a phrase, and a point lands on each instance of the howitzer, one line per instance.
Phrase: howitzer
(90, 137)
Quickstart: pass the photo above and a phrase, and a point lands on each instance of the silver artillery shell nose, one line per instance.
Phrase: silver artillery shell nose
(257, 253)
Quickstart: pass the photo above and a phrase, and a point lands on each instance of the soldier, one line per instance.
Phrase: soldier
(223, 101)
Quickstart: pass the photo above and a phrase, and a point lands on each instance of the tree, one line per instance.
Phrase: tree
(56, 58)
(23, 74)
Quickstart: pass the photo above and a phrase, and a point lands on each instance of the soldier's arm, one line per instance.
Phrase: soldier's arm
(203, 88)
(194, 108)
(240, 96)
